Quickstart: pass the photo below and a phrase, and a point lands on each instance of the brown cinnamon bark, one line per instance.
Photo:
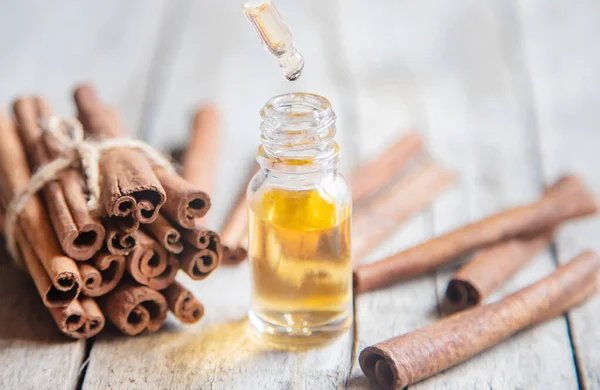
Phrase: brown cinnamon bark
(101, 274)
(199, 263)
(33, 220)
(133, 309)
(51, 295)
(409, 358)
(202, 155)
(79, 233)
(233, 256)
(162, 230)
(200, 237)
(185, 203)
(167, 277)
(129, 185)
(147, 260)
(376, 221)
(183, 304)
(567, 199)
(82, 319)
(374, 175)
(118, 241)
(490, 268)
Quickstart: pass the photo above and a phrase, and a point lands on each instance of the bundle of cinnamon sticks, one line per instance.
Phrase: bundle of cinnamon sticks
(115, 263)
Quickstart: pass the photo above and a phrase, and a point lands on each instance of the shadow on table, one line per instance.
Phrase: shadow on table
(22, 313)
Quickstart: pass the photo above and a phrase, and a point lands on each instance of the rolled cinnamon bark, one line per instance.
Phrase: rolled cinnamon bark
(409, 358)
(185, 203)
(199, 263)
(374, 175)
(101, 274)
(79, 233)
(147, 260)
(376, 221)
(51, 295)
(200, 237)
(82, 319)
(490, 268)
(233, 256)
(202, 155)
(167, 277)
(183, 304)
(162, 230)
(567, 199)
(118, 241)
(129, 185)
(133, 309)
(33, 220)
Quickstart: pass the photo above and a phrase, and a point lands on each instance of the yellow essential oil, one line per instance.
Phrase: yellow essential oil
(299, 242)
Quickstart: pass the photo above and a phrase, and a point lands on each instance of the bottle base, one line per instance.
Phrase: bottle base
(297, 337)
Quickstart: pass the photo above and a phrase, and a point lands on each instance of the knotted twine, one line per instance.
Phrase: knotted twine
(73, 151)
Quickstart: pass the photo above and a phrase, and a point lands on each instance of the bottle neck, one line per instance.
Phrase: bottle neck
(297, 134)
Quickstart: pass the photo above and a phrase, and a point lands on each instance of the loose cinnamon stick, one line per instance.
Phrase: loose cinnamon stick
(79, 233)
(490, 268)
(118, 241)
(133, 309)
(101, 274)
(409, 358)
(374, 175)
(233, 256)
(33, 220)
(567, 199)
(201, 157)
(147, 260)
(199, 263)
(162, 230)
(129, 185)
(183, 304)
(376, 221)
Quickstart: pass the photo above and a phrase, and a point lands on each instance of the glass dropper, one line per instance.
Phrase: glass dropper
(275, 35)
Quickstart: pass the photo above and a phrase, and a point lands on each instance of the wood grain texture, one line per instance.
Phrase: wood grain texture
(562, 73)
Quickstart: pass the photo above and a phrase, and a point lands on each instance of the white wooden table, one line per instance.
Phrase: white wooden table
(506, 92)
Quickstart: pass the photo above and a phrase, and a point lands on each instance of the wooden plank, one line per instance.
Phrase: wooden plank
(461, 93)
(235, 73)
(48, 47)
(561, 58)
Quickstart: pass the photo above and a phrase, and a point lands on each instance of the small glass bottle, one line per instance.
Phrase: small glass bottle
(300, 219)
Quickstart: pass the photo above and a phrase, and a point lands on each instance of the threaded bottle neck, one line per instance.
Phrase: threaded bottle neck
(297, 133)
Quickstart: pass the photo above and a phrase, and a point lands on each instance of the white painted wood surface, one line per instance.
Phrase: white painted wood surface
(506, 93)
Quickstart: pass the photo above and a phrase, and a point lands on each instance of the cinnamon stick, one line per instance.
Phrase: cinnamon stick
(199, 263)
(403, 360)
(129, 185)
(567, 199)
(376, 221)
(133, 309)
(183, 304)
(118, 241)
(162, 230)
(490, 268)
(201, 157)
(33, 220)
(167, 277)
(200, 237)
(79, 233)
(51, 295)
(81, 319)
(374, 175)
(102, 273)
(185, 203)
(147, 260)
